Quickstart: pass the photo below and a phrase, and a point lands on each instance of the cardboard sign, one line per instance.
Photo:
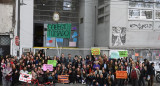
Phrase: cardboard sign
(123, 53)
(95, 51)
(114, 54)
(25, 78)
(72, 44)
(63, 78)
(52, 62)
(47, 66)
(121, 74)
(136, 54)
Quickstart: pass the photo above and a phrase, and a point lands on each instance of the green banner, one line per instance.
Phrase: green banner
(59, 30)
(52, 62)
(114, 55)
(123, 53)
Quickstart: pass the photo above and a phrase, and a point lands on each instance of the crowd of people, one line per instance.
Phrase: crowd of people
(89, 70)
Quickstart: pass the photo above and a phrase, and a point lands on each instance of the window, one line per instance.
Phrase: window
(134, 14)
(140, 14)
(140, 4)
(146, 14)
(100, 2)
(81, 20)
(100, 20)
(157, 14)
(101, 11)
(157, 3)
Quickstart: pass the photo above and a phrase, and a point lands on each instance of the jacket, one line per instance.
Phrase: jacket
(137, 71)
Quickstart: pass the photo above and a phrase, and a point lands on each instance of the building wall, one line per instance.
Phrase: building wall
(102, 30)
(26, 25)
(6, 17)
(87, 28)
(131, 38)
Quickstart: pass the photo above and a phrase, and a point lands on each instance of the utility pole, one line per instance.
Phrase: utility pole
(18, 27)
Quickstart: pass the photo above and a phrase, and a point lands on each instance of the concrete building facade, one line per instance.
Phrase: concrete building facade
(7, 26)
(108, 24)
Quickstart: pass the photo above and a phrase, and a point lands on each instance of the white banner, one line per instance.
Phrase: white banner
(25, 78)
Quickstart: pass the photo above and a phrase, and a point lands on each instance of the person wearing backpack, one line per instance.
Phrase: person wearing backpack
(134, 75)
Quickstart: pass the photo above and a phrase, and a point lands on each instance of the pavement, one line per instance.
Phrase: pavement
(78, 84)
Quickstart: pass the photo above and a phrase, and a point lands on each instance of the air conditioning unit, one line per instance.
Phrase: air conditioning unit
(26, 49)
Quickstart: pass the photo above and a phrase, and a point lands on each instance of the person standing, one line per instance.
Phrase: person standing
(151, 74)
(142, 75)
(7, 75)
(134, 75)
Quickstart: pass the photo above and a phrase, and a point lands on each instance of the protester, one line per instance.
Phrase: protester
(135, 73)
(92, 70)
(7, 75)
(151, 74)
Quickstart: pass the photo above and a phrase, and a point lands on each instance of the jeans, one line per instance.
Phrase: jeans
(5, 82)
(150, 82)
(134, 82)
(141, 81)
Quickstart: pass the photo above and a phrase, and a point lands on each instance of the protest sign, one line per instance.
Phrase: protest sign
(52, 62)
(59, 30)
(47, 66)
(136, 54)
(72, 44)
(121, 74)
(95, 51)
(63, 78)
(123, 53)
(114, 54)
(25, 78)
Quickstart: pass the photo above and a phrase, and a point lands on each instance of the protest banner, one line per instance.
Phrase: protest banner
(123, 53)
(52, 62)
(95, 51)
(63, 78)
(114, 54)
(47, 67)
(25, 78)
(59, 30)
(121, 74)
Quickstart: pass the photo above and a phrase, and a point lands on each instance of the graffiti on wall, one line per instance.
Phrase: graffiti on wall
(118, 36)
(141, 26)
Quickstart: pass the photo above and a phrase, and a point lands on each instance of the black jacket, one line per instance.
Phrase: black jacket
(151, 70)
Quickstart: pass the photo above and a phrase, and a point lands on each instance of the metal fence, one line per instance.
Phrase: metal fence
(151, 55)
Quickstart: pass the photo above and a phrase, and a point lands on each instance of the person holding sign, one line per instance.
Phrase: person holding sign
(7, 75)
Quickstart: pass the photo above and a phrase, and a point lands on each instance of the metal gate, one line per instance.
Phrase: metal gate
(4, 45)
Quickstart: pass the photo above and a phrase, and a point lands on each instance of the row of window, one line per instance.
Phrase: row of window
(144, 14)
(144, 9)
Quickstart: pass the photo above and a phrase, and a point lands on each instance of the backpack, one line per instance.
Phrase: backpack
(133, 74)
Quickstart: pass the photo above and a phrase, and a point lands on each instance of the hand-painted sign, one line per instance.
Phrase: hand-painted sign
(59, 30)
(123, 53)
(47, 67)
(63, 78)
(74, 35)
(121, 74)
(95, 51)
(25, 78)
(114, 54)
(52, 62)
